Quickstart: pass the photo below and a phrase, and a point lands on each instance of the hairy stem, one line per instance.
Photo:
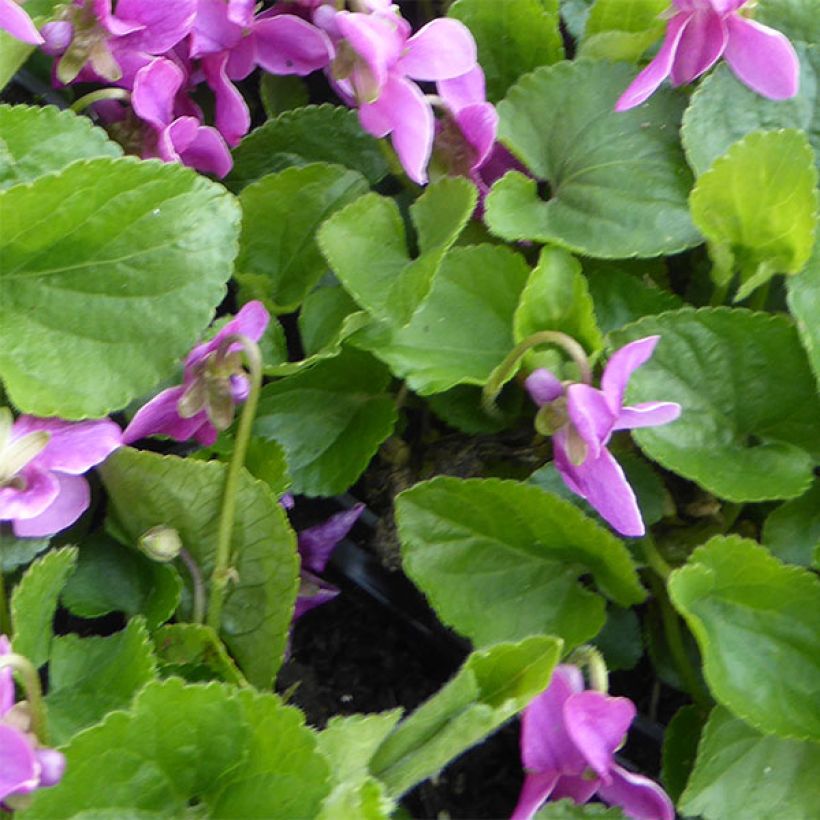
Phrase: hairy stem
(222, 567)
(589, 657)
(34, 693)
(97, 96)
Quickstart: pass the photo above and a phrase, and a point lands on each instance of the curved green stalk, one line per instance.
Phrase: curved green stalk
(34, 693)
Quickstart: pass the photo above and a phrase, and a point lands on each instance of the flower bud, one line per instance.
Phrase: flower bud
(161, 543)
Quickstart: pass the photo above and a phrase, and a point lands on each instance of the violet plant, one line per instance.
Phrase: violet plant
(476, 265)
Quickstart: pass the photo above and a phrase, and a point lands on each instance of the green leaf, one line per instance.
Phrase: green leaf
(574, 14)
(462, 408)
(797, 19)
(622, 29)
(284, 774)
(34, 602)
(464, 329)
(556, 297)
(741, 773)
(366, 246)
(90, 677)
(723, 110)
(620, 639)
(194, 652)
(280, 94)
(757, 622)
(176, 748)
(749, 421)
(792, 531)
(803, 296)
(621, 297)
(96, 259)
(618, 181)
(757, 208)
(324, 133)
(17, 552)
(112, 578)
(680, 748)
(500, 560)
(13, 54)
(490, 688)
(321, 318)
(568, 809)
(280, 216)
(349, 743)
(38, 140)
(146, 490)
(512, 38)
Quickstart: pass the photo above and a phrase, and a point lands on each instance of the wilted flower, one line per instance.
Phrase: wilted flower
(17, 23)
(24, 764)
(582, 419)
(213, 384)
(569, 737)
(704, 30)
(42, 461)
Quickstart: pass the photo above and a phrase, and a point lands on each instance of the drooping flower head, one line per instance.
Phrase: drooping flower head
(214, 382)
(582, 419)
(15, 21)
(24, 765)
(42, 461)
(702, 31)
(569, 736)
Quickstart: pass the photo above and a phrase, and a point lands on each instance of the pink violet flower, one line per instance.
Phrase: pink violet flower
(376, 64)
(702, 31)
(42, 461)
(583, 419)
(24, 764)
(212, 386)
(569, 736)
(15, 22)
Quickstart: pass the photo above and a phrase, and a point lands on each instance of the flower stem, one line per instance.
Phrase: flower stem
(653, 557)
(222, 569)
(197, 585)
(97, 96)
(34, 692)
(589, 657)
(5, 615)
(501, 375)
(719, 295)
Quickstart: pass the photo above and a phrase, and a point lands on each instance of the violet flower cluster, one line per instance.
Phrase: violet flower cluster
(24, 764)
(582, 419)
(569, 736)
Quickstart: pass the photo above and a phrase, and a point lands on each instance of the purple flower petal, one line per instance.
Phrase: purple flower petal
(155, 87)
(233, 118)
(6, 679)
(620, 367)
(52, 766)
(378, 41)
(213, 30)
(762, 58)
(163, 25)
(72, 501)
(591, 415)
(313, 592)
(645, 84)
(440, 50)
(536, 789)
(703, 40)
(318, 542)
(597, 725)
(240, 12)
(639, 797)
(579, 788)
(41, 488)
(479, 125)
(251, 321)
(57, 36)
(286, 44)
(160, 417)
(647, 414)
(199, 146)
(466, 89)
(18, 24)
(603, 484)
(18, 766)
(543, 386)
(75, 446)
(242, 59)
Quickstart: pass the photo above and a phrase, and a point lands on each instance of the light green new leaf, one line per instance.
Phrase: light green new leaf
(464, 328)
(742, 773)
(490, 688)
(280, 216)
(622, 29)
(323, 133)
(37, 140)
(792, 531)
(748, 429)
(757, 207)
(723, 111)
(112, 578)
(756, 620)
(512, 38)
(147, 490)
(500, 560)
(366, 246)
(556, 297)
(803, 297)
(96, 259)
(34, 602)
(618, 181)
(330, 419)
(90, 677)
